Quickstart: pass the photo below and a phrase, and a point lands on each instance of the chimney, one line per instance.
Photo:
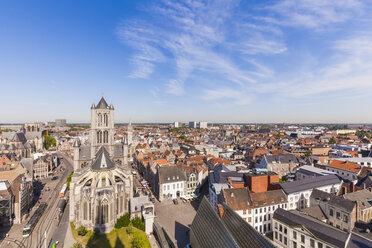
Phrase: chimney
(221, 210)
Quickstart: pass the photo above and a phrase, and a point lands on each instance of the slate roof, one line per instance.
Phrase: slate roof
(230, 231)
(322, 231)
(309, 183)
(103, 160)
(316, 212)
(170, 174)
(244, 234)
(333, 200)
(364, 197)
(102, 104)
(283, 158)
(357, 241)
(84, 153)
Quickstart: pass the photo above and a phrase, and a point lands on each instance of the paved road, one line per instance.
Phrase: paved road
(61, 228)
(47, 222)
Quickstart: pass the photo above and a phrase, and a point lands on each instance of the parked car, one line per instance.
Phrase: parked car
(55, 178)
(175, 201)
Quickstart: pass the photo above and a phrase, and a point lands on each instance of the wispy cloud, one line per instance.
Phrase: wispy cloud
(215, 39)
(312, 13)
(197, 36)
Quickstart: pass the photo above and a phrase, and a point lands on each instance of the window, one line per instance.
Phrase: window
(260, 210)
(165, 187)
(285, 230)
(294, 244)
(244, 212)
(174, 186)
(256, 220)
(276, 235)
(331, 212)
(276, 225)
(346, 218)
(280, 237)
(312, 243)
(264, 217)
(320, 245)
(249, 219)
(260, 218)
(294, 234)
(168, 187)
(338, 215)
(302, 238)
(280, 227)
(285, 240)
(255, 211)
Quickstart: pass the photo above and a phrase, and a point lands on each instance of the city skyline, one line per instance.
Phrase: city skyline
(215, 61)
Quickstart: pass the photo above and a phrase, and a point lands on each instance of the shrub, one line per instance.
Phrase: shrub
(77, 245)
(82, 231)
(138, 242)
(138, 223)
(130, 228)
(123, 221)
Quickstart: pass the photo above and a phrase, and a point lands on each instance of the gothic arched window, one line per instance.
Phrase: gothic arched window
(105, 213)
(85, 210)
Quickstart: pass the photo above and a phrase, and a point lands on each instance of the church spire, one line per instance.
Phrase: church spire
(102, 104)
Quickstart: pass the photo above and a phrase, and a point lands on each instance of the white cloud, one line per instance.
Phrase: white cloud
(211, 39)
(197, 35)
(312, 13)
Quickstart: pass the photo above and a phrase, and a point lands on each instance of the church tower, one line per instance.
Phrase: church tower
(102, 127)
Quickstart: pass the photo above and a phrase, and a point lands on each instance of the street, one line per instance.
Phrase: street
(48, 222)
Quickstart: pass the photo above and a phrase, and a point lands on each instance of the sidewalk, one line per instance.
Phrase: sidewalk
(69, 239)
(153, 242)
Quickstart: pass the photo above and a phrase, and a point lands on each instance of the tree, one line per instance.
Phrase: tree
(123, 221)
(138, 223)
(138, 242)
(77, 245)
(332, 141)
(82, 231)
(307, 153)
(49, 141)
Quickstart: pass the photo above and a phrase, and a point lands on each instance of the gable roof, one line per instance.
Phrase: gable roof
(209, 230)
(102, 160)
(325, 232)
(170, 174)
(309, 183)
(333, 200)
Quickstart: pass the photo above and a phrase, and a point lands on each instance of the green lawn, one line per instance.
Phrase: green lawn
(118, 238)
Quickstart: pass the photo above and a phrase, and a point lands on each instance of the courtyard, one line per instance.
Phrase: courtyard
(176, 219)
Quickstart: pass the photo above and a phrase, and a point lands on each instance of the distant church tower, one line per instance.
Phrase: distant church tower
(130, 133)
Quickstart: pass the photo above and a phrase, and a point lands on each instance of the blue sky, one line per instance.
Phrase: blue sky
(162, 61)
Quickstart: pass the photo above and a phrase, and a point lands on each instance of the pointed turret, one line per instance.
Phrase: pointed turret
(102, 104)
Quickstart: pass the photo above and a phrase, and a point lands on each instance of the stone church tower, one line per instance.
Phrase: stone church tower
(102, 183)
